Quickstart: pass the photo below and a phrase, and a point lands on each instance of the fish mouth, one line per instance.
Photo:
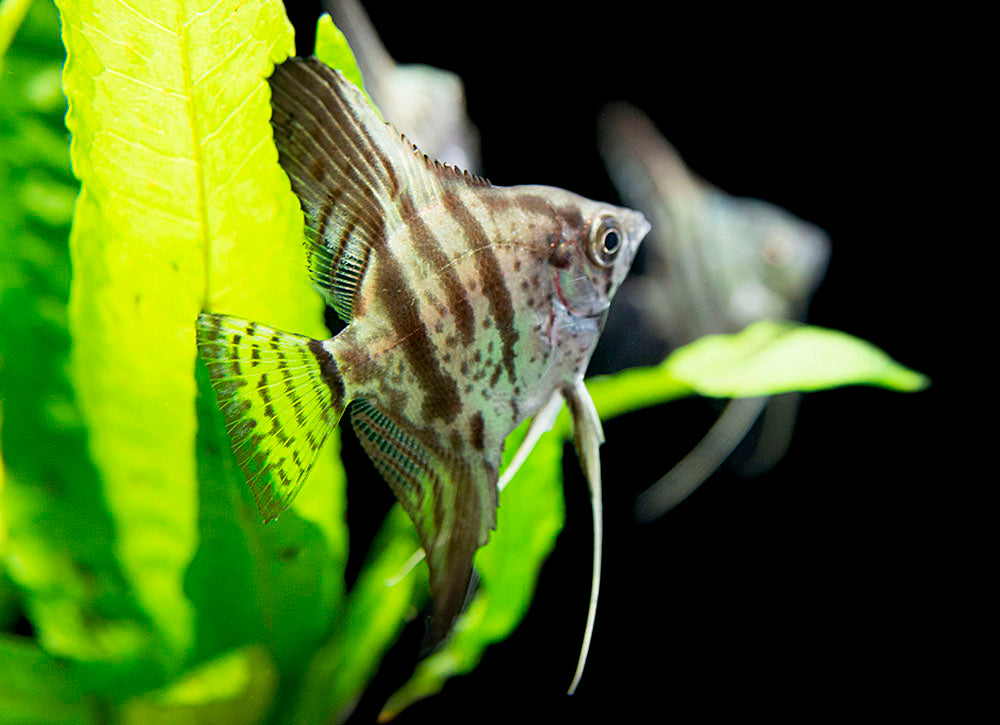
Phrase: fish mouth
(640, 226)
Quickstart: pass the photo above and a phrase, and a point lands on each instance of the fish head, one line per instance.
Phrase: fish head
(781, 258)
(594, 250)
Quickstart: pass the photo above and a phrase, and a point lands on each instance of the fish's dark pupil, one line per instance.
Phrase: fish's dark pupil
(611, 241)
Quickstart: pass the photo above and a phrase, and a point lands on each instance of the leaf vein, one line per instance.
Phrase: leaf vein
(236, 109)
(222, 61)
(218, 189)
(144, 84)
(199, 14)
(148, 19)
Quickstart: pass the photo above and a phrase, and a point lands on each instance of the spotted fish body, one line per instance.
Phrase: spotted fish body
(468, 307)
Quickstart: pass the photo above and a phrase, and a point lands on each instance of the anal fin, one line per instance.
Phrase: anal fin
(451, 501)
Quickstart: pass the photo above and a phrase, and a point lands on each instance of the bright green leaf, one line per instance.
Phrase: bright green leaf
(766, 358)
(57, 533)
(630, 390)
(332, 49)
(775, 357)
(183, 208)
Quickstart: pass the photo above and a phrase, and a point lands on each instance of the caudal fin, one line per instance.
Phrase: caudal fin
(281, 395)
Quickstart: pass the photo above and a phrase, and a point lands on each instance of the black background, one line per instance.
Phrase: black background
(813, 589)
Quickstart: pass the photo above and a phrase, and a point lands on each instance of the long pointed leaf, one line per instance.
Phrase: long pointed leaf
(183, 208)
(767, 358)
(56, 535)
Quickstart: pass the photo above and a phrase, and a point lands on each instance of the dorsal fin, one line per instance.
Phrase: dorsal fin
(348, 169)
(444, 169)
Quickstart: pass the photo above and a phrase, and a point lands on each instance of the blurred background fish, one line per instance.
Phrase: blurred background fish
(714, 264)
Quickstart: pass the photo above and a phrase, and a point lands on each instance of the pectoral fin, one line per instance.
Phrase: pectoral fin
(541, 424)
(451, 501)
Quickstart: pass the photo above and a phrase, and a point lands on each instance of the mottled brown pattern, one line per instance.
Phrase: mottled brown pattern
(490, 276)
(429, 248)
(440, 393)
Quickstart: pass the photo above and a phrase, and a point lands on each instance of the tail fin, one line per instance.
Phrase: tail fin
(281, 394)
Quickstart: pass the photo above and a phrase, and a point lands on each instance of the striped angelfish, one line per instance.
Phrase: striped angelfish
(468, 308)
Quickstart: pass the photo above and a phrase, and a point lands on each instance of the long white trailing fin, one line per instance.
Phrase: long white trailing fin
(587, 438)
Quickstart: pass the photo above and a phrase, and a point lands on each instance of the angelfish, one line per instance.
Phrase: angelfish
(468, 308)
(715, 264)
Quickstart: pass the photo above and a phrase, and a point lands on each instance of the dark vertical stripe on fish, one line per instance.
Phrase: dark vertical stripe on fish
(349, 110)
(491, 277)
(476, 427)
(441, 398)
(429, 248)
(331, 375)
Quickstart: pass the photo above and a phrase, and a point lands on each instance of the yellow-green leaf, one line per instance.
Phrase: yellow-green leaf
(766, 358)
(332, 49)
(12, 12)
(183, 208)
(776, 357)
(57, 533)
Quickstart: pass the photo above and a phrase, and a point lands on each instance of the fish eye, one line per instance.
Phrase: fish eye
(605, 241)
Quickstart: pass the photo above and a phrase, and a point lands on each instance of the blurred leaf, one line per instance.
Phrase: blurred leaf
(766, 358)
(57, 534)
(630, 390)
(530, 517)
(279, 584)
(332, 49)
(38, 688)
(12, 12)
(183, 208)
(378, 606)
(777, 357)
(234, 688)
